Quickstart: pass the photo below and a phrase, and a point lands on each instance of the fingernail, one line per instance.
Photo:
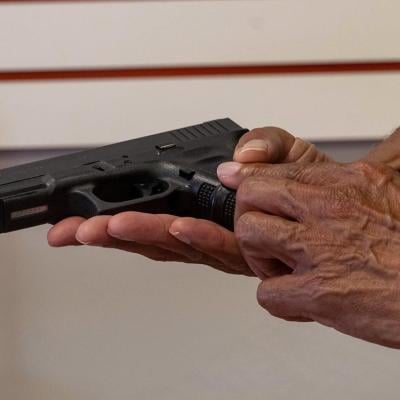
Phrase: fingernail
(228, 169)
(82, 241)
(120, 237)
(255, 145)
(115, 236)
(181, 237)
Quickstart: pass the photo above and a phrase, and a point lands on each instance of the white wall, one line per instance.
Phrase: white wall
(320, 107)
(170, 32)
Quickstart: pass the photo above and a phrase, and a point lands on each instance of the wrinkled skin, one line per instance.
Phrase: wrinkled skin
(169, 238)
(337, 228)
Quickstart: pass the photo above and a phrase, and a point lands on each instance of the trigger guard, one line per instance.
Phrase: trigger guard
(88, 201)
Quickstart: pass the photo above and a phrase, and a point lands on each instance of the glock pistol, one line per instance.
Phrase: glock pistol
(172, 172)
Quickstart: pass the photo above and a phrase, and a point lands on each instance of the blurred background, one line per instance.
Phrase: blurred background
(88, 324)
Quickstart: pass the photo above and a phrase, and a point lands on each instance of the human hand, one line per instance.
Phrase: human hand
(169, 238)
(387, 152)
(337, 227)
(294, 150)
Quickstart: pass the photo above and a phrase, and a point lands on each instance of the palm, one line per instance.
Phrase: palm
(155, 237)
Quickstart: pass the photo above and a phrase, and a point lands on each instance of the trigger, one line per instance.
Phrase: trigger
(186, 174)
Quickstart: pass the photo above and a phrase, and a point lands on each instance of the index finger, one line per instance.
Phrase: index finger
(63, 233)
(232, 174)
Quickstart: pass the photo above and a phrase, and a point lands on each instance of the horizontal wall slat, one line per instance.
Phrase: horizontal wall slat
(344, 107)
(70, 35)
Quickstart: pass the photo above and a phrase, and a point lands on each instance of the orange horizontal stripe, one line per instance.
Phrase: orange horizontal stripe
(198, 71)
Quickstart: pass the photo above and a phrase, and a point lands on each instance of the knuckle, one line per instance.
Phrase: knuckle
(263, 295)
(219, 239)
(248, 231)
(267, 299)
(300, 172)
(313, 285)
(299, 241)
(320, 289)
(311, 153)
(163, 225)
(242, 228)
(374, 171)
(366, 168)
(297, 174)
(301, 151)
(246, 189)
(241, 195)
(250, 171)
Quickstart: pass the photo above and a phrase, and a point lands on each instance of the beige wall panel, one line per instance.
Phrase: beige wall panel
(192, 32)
(7, 319)
(89, 113)
(95, 324)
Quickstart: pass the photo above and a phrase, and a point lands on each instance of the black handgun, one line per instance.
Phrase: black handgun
(172, 172)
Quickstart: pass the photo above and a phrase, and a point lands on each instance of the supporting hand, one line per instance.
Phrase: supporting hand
(168, 238)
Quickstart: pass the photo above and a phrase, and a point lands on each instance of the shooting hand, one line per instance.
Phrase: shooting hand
(168, 238)
(284, 148)
(337, 227)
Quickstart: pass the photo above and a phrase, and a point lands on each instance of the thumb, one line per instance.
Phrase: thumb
(275, 145)
(288, 296)
(387, 152)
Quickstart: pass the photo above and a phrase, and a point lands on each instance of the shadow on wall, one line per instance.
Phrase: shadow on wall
(346, 151)
(32, 388)
(7, 314)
